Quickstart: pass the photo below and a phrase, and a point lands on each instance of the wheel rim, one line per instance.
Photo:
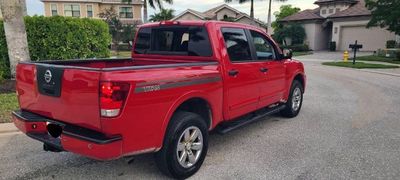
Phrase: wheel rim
(296, 99)
(189, 147)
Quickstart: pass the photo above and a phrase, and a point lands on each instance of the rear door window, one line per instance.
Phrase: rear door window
(237, 44)
(174, 40)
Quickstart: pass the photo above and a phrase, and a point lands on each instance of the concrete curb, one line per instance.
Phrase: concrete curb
(7, 128)
(380, 72)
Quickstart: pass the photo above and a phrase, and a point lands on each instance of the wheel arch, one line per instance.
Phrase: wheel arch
(300, 77)
(296, 76)
(192, 102)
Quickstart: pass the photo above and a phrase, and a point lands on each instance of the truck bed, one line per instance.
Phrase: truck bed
(118, 64)
(72, 93)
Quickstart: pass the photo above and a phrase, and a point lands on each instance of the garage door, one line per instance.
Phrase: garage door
(371, 39)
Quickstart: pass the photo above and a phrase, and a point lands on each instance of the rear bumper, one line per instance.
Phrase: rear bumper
(73, 138)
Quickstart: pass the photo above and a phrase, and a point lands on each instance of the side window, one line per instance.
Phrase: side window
(264, 49)
(237, 44)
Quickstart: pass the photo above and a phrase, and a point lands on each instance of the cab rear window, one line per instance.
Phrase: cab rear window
(173, 40)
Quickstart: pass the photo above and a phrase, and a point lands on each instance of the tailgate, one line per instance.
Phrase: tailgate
(70, 95)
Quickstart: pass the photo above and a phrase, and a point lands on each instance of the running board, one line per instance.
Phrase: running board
(255, 116)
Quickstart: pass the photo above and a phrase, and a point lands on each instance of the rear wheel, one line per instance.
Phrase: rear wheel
(185, 145)
(295, 101)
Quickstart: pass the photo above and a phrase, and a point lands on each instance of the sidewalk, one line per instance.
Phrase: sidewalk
(325, 56)
(7, 128)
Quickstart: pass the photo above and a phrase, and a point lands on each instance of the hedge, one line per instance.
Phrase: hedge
(58, 38)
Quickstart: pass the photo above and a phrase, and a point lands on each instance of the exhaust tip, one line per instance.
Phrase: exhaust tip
(47, 147)
(54, 130)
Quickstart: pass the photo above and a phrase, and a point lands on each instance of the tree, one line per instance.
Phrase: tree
(119, 32)
(164, 14)
(294, 31)
(115, 26)
(14, 29)
(152, 3)
(284, 11)
(385, 13)
(252, 9)
(269, 23)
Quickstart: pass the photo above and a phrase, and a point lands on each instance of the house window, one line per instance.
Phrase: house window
(337, 9)
(330, 11)
(89, 10)
(54, 9)
(335, 30)
(125, 12)
(323, 11)
(73, 10)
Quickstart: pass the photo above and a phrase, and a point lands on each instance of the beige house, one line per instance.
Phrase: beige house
(219, 13)
(341, 21)
(128, 13)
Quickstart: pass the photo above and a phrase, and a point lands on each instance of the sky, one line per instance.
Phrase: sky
(260, 6)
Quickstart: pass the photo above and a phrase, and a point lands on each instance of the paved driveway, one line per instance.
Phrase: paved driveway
(348, 129)
(322, 56)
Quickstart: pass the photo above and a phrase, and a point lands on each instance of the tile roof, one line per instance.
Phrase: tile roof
(308, 14)
(358, 9)
(212, 13)
(331, 1)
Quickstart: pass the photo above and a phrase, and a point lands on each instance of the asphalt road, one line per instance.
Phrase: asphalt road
(349, 128)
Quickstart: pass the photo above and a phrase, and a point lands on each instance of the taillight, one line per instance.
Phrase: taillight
(112, 98)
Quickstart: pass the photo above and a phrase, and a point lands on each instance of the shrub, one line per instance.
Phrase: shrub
(391, 44)
(294, 31)
(4, 63)
(332, 46)
(57, 38)
(398, 55)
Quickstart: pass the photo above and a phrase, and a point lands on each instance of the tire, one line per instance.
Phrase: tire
(167, 158)
(293, 104)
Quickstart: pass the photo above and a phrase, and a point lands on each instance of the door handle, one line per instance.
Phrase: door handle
(233, 72)
(263, 69)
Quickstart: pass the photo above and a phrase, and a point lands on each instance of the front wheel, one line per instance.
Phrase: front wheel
(295, 101)
(185, 145)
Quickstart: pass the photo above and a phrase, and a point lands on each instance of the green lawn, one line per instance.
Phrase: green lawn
(377, 58)
(302, 53)
(121, 54)
(359, 65)
(8, 103)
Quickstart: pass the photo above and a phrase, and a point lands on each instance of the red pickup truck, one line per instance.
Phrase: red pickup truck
(185, 78)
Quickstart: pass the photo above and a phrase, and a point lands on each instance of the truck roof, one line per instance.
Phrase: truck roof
(193, 23)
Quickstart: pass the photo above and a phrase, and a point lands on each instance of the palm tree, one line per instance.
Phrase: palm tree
(152, 3)
(164, 14)
(14, 28)
(269, 23)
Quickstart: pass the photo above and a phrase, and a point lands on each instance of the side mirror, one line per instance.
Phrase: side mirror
(287, 54)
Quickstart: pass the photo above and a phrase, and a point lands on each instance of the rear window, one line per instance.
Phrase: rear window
(173, 40)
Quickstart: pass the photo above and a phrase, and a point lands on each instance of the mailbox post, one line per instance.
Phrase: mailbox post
(355, 48)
